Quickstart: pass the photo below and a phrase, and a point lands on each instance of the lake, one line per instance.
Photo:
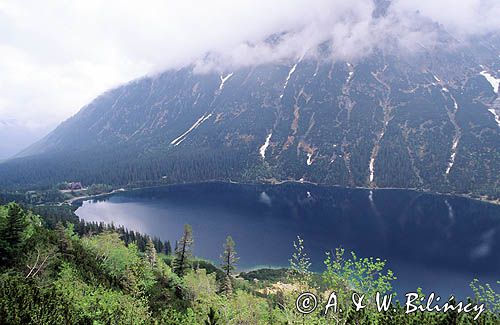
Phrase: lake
(436, 242)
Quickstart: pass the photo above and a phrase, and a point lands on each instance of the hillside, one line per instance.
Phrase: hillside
(427, 120)
(92, 274)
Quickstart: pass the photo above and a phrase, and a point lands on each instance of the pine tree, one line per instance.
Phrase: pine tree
(16, 224)
(168, 248)
(140, 241)
(158, 245)
(228, 257)
(226, 287)
(64, 242)
(11, 234)
(150, 252)
(183, 251)
(228, 264)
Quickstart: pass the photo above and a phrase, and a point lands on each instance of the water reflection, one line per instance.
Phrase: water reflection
(435, 242)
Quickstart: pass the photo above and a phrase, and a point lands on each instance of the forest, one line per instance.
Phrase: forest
(56, 269)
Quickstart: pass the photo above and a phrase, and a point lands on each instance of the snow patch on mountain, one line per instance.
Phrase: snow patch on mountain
(376, 147)
(223, 80)
(494, 82)
(453, 155)
(196, 124)
(496, 115)
(456, 138)
(351, 72)
(309, 159)
(292, 70)
(263, 148)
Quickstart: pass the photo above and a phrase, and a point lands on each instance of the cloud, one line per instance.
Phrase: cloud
(55, 56)
(354, 29)
(462, 18)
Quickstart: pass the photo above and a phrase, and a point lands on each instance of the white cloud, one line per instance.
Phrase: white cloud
(56, 55)
(464, 17)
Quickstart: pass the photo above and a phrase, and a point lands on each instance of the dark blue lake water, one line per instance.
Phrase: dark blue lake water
(438, 243)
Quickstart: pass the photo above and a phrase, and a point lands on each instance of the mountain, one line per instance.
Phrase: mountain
(427, 120)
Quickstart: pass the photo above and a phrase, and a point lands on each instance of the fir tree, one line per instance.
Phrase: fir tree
(183, 251)
(64, 241)
(158, 245)
(168, 248)
(226, 287)
(228, 257)
(150, 252)
(11, 234)
(228, 264)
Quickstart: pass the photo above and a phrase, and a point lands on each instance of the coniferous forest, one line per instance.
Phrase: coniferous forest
(56, 270)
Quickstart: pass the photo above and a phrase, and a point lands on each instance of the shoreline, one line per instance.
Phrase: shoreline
(88, 197)
(72, 201)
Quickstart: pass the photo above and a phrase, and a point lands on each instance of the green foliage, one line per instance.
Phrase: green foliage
(110, 251)
(486, 294)
(58, 277)
(300, 264)
(364, 275)
(122, 263)
(95, 189)
(200, 288)
(99, 304)
(171, 316)
(226, 285)
(212, 317)
(11, 196)
(167, 291)
(245, 308)
(53, 214)
(272, 275)
(22, 302)
(16, 227)
(198, 263)
(151, 253)
(13, 228)
(43, 196)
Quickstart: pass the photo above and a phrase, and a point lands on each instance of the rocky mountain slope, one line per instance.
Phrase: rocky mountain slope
(427, 120)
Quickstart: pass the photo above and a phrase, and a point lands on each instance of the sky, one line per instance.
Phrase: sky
(57, 55)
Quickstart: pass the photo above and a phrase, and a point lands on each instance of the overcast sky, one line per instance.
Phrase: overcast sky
(56, 56)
